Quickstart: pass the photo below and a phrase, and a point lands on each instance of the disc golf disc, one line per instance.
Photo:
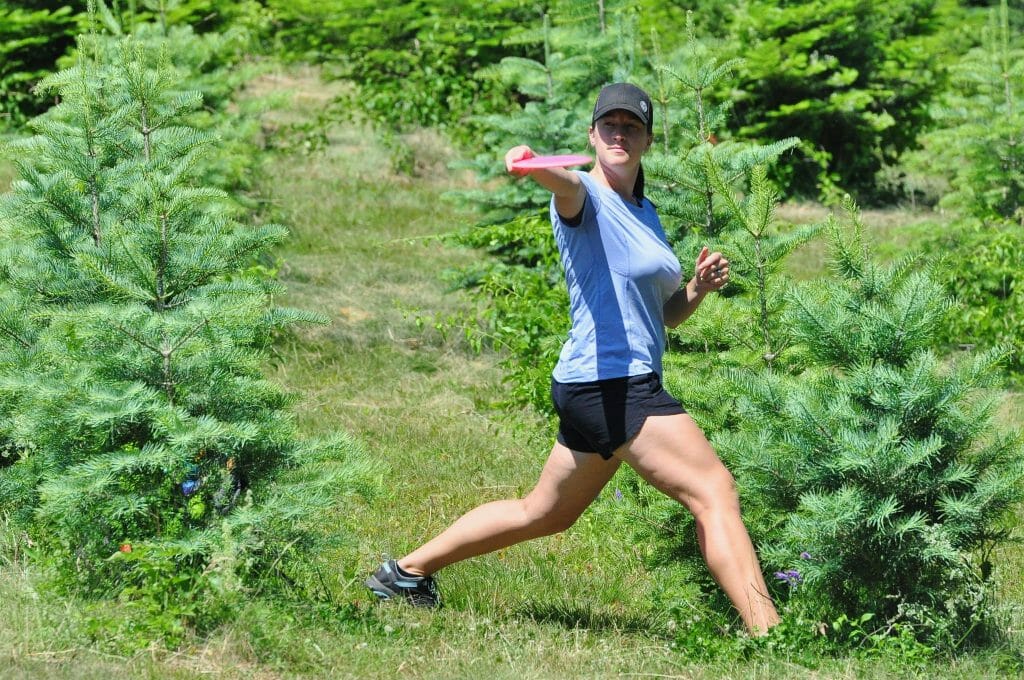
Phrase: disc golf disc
(563, 161)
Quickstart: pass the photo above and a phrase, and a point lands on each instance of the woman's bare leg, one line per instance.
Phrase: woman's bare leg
(672, 453)
(567, 485)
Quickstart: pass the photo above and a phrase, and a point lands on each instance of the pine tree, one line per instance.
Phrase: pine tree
(714, 191)
(32, 36)
(979, 150)
(580, 55)
(852, 79)
(881, 479)
(130, 367)
(979, 135)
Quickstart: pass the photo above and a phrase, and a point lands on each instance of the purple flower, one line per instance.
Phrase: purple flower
(189, 486)
(618, 494)
(806, 556)
(790, 577)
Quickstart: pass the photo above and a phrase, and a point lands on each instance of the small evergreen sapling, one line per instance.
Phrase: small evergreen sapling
(852, 79)
(879, 475)
(714, 191)
(979, 149)
(556, 94)
(31, 40)
(151, 446)
(979, 140)
(696, 143)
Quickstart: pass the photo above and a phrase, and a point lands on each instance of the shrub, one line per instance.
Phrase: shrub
(988, 286)
(979, 151)
(873, 479)
(413, 63)
(853, 80)
(880, 480)
(978, 143)
(31, 40)
(154, 462)
(36, 34)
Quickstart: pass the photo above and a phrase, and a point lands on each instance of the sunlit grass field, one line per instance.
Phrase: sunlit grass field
(364, 250)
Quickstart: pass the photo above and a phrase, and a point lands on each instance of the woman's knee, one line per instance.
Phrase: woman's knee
(545, 520)
(718, 493)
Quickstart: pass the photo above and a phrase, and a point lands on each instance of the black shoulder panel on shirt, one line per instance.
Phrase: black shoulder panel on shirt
(577, 219)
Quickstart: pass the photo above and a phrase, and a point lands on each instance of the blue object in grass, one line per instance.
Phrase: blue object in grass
(791, 577)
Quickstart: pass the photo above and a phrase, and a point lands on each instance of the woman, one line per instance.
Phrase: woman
(623, 281)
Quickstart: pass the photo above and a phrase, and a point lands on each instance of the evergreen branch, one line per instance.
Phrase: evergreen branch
(143, 272)
(715, 74)
(883, 512)
(281, 317)
(91, 152)
(146, 131)
(784, 245)
(161, 268)
(188, 336)
(14, 336)
(136, 338)
(716, 184)
(111, 280)
(846, 251)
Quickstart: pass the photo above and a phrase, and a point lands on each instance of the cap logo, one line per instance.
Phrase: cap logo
(643, 106)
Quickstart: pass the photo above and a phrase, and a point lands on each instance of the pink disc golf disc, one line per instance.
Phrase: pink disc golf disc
(563, 161)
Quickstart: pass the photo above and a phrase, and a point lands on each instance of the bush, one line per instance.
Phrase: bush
(988, 286)
(873, 478)
(413, 63)
(36, 34)
(880, 480)
(155, 463)
(978, 143)
(31, 40)
(853, 80)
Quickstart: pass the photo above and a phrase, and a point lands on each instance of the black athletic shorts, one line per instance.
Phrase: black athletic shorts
(600, 416)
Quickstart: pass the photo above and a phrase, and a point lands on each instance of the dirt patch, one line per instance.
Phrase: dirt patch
(353, 314)
(301, 85)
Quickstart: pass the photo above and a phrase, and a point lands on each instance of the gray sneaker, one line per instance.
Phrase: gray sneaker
(387, 582)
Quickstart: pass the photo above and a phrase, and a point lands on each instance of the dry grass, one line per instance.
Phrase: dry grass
(6, 176)
(892, 233)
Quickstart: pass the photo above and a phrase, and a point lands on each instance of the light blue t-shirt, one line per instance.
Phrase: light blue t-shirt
(620, 270)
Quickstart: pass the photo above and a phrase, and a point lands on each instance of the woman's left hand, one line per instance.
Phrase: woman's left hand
(712, 271)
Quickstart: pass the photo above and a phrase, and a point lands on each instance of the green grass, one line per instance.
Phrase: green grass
(577, 605)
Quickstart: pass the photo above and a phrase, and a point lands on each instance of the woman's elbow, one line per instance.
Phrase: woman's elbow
(672, 321)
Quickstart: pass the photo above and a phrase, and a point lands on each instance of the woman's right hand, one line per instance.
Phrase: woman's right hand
(517, 153)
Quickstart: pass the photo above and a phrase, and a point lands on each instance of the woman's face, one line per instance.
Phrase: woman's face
(619, 138)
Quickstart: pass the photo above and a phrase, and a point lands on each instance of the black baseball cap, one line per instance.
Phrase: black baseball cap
(628, 98)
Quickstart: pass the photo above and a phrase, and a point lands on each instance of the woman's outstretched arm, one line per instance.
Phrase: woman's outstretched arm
(565, 185)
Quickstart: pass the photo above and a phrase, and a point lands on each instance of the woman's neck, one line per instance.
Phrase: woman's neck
(622, 184)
